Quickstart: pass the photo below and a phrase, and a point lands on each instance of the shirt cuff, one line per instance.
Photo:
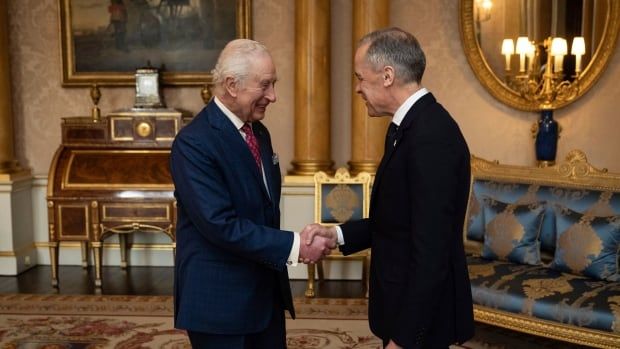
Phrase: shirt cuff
(293, 257)
(340, 236)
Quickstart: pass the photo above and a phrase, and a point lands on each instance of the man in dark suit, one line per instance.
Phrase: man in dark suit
(231, 283)
(420, 294)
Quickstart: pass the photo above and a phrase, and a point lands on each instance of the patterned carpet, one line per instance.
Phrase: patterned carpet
(123, 322)
(93, 322)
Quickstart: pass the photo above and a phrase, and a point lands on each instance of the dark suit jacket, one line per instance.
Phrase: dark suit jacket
(230, 264)
(420, 293)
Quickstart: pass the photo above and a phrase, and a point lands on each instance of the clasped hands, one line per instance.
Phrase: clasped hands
(317, 241)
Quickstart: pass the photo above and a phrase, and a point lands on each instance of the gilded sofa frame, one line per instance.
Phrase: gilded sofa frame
(574, 172)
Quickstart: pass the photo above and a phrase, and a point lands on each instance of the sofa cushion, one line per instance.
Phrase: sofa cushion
(504, 192)
(596, 202)
(475, 219)
(545, 293)
(587, 245)
(511, 231)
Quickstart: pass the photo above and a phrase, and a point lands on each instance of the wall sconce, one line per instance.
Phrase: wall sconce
(543, 81)
(559, 49)
(522, 49)
(578, 49)
(483, 10)
(508, 49)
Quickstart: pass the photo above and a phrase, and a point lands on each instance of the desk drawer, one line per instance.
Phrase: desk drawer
(129, 212)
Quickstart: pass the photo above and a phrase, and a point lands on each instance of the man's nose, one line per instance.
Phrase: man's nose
(271, 94)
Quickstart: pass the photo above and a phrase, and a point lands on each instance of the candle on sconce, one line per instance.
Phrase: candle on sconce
(522, 47)
(531, 52)
(578, 49)
(559, 48)
(508, 48)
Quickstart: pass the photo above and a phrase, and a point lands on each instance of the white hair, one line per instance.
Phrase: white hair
(235, 61)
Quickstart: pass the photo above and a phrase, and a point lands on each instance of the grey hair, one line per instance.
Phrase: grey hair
(397, 48)
(235, 61)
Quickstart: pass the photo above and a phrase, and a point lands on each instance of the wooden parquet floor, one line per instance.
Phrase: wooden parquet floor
(156, 281)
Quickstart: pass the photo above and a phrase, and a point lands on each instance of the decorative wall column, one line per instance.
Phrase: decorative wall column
(17, 250)
(7, 161)
(312, 88)
(367, 134)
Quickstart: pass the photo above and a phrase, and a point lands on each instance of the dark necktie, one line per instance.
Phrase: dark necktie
(390, 137)
(250, 139)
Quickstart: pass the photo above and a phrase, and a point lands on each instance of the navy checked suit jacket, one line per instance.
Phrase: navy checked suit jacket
(230, 264)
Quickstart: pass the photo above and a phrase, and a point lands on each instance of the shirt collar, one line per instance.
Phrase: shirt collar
(401, 112)
(230, 115)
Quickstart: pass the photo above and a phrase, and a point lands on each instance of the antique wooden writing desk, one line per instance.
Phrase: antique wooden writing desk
(112, 177)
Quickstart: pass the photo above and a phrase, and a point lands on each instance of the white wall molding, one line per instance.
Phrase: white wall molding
(17, 252)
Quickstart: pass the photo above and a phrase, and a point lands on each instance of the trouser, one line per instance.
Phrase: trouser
(273, 337)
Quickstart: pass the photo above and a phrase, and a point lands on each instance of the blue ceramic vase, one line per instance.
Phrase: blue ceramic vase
(547, 137)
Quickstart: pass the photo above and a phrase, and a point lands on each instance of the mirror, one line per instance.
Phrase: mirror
(514, 73)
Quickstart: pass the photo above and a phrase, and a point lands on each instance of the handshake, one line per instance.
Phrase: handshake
(317, 241)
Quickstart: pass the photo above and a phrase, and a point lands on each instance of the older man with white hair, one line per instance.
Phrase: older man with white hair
(231, 283)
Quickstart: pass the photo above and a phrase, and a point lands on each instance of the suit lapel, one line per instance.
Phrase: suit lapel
(412, 114)
(265, 155)
(235, 144)
(384, 160)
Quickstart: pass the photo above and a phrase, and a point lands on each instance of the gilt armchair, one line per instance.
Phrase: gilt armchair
(338, 199)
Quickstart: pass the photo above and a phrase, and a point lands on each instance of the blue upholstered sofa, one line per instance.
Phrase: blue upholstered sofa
(543, 248)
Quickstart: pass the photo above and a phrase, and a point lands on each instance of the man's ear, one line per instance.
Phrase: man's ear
(388, 75)
(231, 85)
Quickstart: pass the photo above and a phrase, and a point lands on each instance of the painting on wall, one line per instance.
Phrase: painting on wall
(105, 41)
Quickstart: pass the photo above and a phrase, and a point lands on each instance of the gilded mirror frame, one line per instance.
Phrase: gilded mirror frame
(501, 92)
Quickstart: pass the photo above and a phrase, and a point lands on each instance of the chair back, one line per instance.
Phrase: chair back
(340, 198)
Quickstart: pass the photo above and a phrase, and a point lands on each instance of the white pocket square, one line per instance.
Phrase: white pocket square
(274, 159)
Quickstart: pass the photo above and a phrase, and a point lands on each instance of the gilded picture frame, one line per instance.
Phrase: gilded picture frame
(105, 41)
